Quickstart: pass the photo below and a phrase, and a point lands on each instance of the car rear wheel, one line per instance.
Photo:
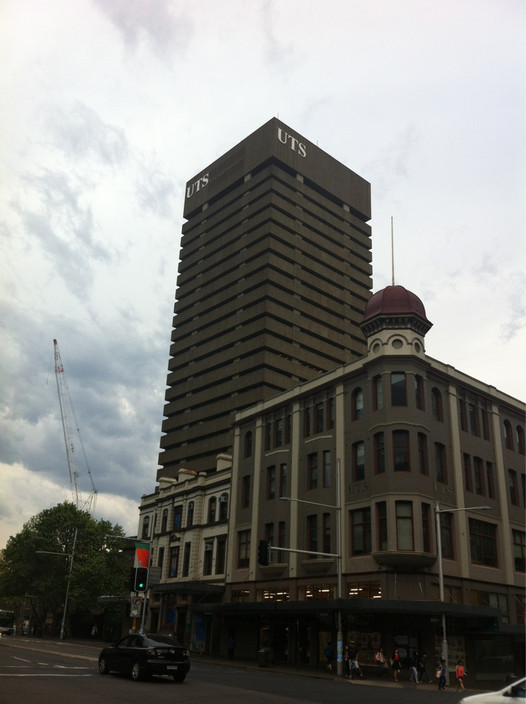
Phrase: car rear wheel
(179, 676)
(103, 666)
(137, 671)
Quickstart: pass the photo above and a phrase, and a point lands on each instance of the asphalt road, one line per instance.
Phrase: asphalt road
(44, 672)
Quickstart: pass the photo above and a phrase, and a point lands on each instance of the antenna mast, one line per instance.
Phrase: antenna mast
(392, 253)
(67, 414)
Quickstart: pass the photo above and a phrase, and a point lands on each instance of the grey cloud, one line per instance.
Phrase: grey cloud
(115, 381)
(391, 164)
(155, 192)
(165, 27)
(78, 131)
(515, 317)
(275, 52)
(63, 227)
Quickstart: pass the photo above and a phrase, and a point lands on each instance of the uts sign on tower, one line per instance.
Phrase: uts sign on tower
(295, 144)
(282, 136)
(197, 185)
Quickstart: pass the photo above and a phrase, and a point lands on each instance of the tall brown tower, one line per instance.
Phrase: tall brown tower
(274, 276)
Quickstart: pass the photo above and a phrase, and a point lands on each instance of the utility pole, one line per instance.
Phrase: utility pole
(70, 556)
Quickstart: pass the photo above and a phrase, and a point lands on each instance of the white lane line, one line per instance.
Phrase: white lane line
(40, 674)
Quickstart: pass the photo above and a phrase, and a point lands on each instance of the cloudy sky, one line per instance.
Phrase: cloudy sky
(110, 106)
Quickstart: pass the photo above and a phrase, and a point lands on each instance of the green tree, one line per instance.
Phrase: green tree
(30, 572)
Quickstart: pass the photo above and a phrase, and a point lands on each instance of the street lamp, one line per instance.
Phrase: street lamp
(338, 555)
(438, 511)
(70, 556)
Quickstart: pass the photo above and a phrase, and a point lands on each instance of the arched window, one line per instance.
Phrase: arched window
(248, 444)
(520, 439)
(223, 507)
(358, 461)
(212, 510)
(378, 392)
(508, 435)
(146, 527)
(419, 393)
(422, 454)
(278, 432)
(379, 453)
(401, 451)
(357, 404)
(190, 515)
(404, 525)
(436, 404)
(398, 389)
(178, 517)
(440, 463)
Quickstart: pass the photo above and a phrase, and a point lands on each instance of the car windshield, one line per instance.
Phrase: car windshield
(159, 638)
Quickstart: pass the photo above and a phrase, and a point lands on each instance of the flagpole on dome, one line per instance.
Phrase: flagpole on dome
(392, 252)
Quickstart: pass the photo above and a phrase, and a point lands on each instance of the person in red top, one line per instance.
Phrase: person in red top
(460, 674)
(395, 664)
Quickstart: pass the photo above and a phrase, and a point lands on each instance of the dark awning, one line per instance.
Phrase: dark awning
(189, 588)
(354, 606)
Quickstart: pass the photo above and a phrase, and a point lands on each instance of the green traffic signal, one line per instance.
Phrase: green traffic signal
(141, 579)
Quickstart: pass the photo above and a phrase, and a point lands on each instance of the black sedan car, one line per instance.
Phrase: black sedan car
(144, 655)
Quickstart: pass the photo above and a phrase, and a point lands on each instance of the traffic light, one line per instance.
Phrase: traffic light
(263, 552)
(141, 579)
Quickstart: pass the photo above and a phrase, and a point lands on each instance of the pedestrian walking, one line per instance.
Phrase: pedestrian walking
(413, 668)
(460, 673)
(355, 665)
(328, 652)
(380, 661)
(441, 673)
(395, 664)
(347, 660)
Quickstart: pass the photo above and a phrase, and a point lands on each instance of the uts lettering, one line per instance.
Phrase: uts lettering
(295, 145)
(197, 185)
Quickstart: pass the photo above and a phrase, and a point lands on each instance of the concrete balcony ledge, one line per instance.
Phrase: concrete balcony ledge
(274, 569)
(404, 560)
(319, 566)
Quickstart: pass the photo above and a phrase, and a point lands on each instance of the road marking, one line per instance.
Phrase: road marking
(41, 674)
(71, 667)
(18, 667)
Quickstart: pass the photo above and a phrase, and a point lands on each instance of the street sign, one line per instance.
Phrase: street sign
(135, 606)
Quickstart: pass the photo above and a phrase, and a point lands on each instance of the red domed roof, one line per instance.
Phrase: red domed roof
(394, 300)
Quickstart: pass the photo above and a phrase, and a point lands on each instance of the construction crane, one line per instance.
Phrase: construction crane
(68, 416)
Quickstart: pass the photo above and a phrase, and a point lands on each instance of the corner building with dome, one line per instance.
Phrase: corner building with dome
(299, 407)
(384, 449)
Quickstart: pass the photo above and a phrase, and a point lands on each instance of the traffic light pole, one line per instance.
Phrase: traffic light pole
(143, 615)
